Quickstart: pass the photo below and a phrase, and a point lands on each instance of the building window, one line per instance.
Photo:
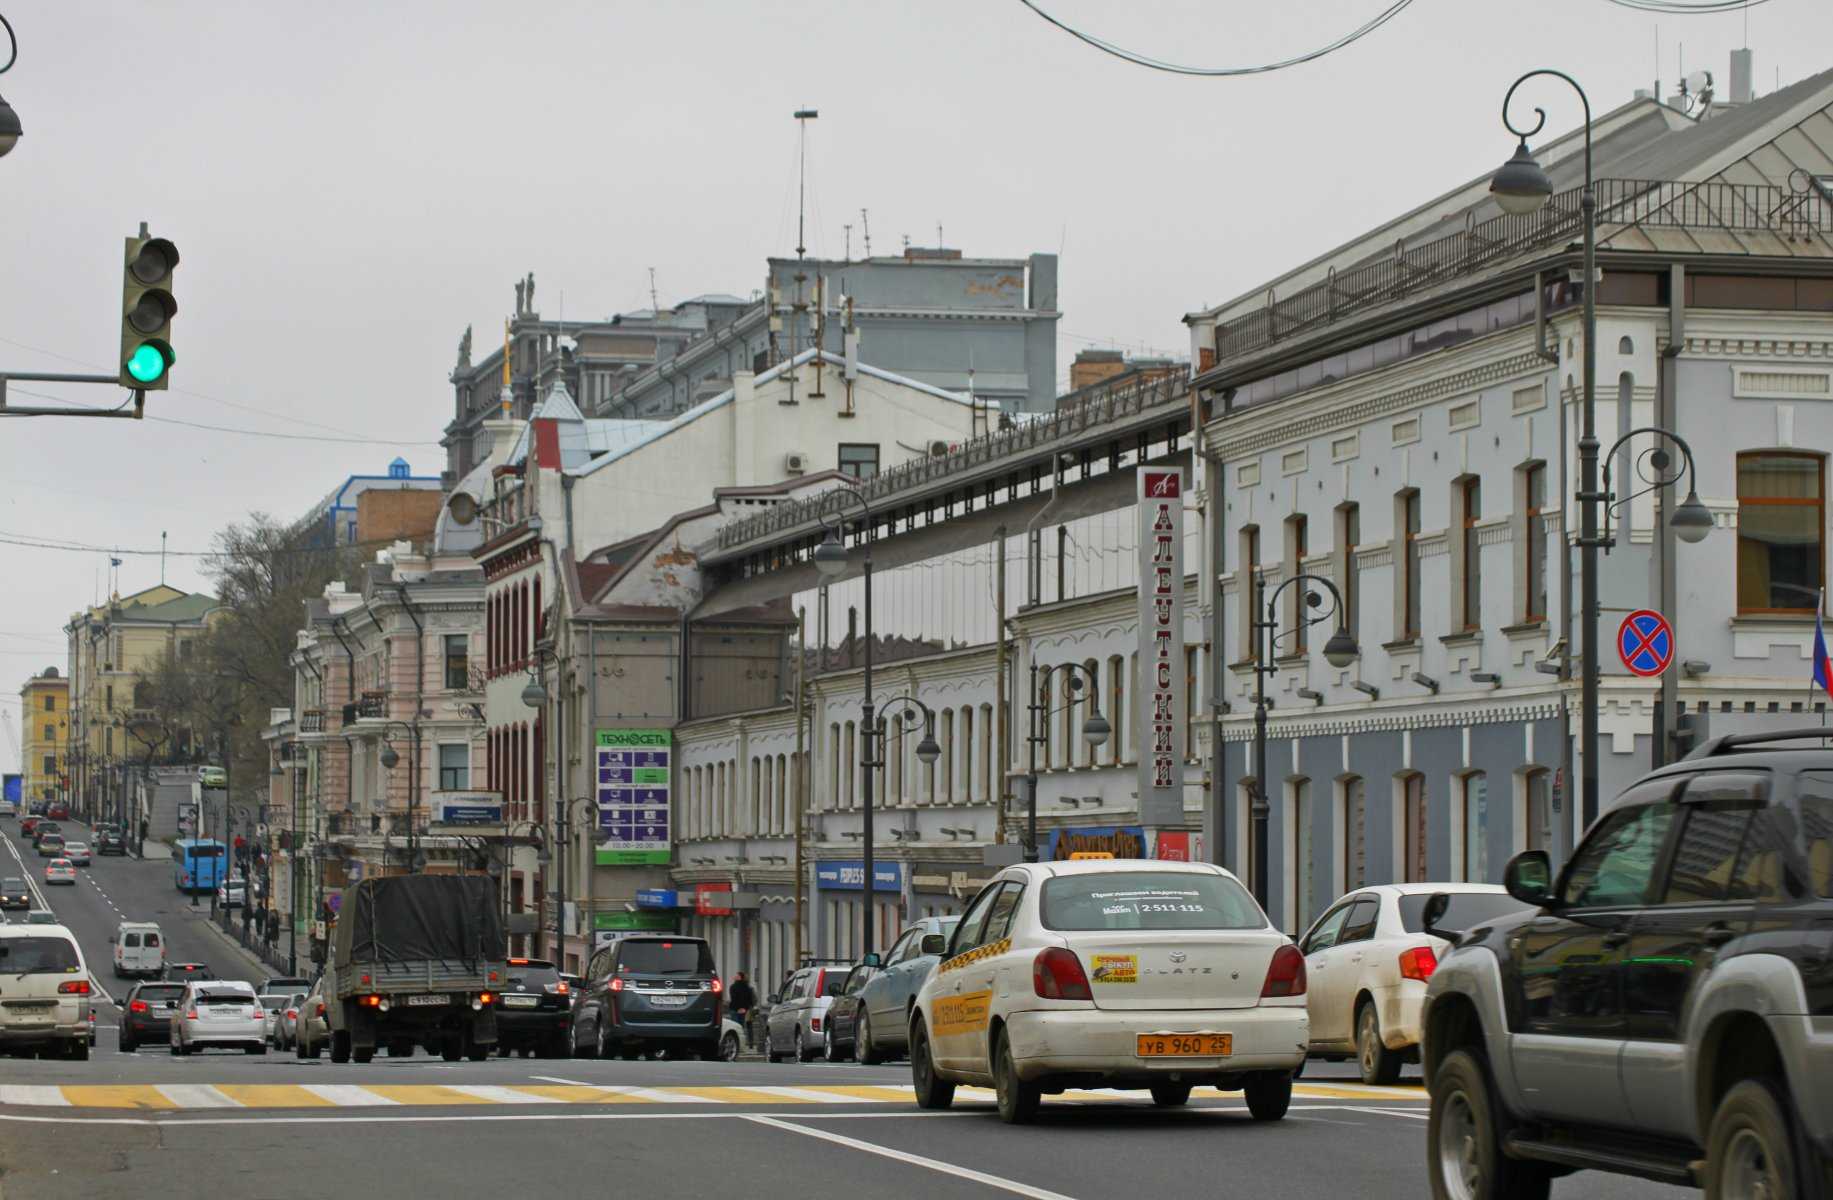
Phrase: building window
(454, 767)
(1406, 514)
(50, 764)
(1475, 787)
(858, 459)
(1244, 591)
(1294, 618)
(1538, 811)
(50, 703)
(1343, 565)
(458, 661)
(1355, 833)
(1470, 511)
(1413, 831)
(1300, 812)
(50, 733)
(1534, 549)
(1781, 530)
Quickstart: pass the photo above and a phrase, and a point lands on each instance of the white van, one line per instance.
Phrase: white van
(139, 950)
(47, 991)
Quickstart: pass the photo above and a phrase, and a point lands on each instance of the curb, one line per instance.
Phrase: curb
(260, 969)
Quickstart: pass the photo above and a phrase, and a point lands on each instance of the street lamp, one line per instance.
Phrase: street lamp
(1095, 731)
(1522, 188)
(831, 560)
(391, 759)
(9, 120)
(1339, 651)
(1692, 521)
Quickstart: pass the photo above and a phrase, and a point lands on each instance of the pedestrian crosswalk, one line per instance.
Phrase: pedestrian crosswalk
(196, 1096)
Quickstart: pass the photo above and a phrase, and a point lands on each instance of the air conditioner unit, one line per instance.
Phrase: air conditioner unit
(938, 448)
(795, 462)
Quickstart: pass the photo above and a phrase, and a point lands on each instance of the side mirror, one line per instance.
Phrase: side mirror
(872, 960)
(935, 943)
(773, 998)
(1436, 904)
(1529, 878)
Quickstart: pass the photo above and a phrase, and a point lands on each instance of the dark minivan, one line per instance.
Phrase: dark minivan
(647, 993)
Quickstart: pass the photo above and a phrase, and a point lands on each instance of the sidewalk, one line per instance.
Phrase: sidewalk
(257, 969)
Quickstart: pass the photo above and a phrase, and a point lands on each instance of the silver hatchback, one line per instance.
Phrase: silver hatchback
(797, 1017)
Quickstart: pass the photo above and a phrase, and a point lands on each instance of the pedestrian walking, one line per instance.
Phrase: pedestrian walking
(742, 998)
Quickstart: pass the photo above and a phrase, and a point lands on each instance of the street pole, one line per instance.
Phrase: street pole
(1032, 737)
(868, 733)
(1263, 653)
(1589, 497)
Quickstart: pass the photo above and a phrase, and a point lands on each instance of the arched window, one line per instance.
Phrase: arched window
(945, 737)
(1353, 855)
(1301, 872)
(1626, 345)
(1474, 796)
(143, 695)
(1537, 810)
(1116, 708)
(1091, 704)
(1413, 827)
(851, 791)
(966, 736)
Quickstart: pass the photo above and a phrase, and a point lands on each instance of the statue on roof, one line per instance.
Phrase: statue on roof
(464, 349)
(531, 293)
(519, 302)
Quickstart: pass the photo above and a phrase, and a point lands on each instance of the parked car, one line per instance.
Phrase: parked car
(533, 1010)
(649, 992)
(219, 1012)
(232, 893)
(731, 1040)
(794, 1028)
(50, 845)
(272, 1004)
(139, 950)
(109, 841)
(1367, 962)
(47, 991)
(1660, 1008)
(311, 1032)
(77, 853)
(1116, 973)
(59, 871)
(146, 1014)
(14, 893)
(885, 1004)
(286, 1029)
(838, 1030)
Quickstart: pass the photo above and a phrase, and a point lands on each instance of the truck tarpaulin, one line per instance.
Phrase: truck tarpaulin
(414, 917)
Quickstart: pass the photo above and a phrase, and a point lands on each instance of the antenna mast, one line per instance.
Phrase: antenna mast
(654, 306)
(865, 227)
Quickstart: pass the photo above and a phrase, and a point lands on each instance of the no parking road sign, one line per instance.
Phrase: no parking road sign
(1645, 642)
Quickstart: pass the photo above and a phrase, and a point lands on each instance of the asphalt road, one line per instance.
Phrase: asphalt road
(274, 1126)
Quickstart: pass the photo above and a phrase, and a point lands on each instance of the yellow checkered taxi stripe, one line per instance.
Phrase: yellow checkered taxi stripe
(975, 955)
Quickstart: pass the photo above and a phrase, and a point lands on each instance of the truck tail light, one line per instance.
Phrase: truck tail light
(1056, 974)
(1285, 974)
(1418, 963)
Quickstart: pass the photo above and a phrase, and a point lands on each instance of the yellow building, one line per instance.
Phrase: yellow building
(45, 713)
(113, 646)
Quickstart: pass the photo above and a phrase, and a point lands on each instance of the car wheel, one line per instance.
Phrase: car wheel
(801, 1052)
(452, 1048)
(863, 1053)
(127, 1045)
(554, 1047)
(299, 1049)
(829, 1050)
(1378, 1063)
(340, 1045)
(603, 1039)
(1269, 1094)
(1018, 1100)
(79, 1050)
(361, 1054)
(1464, 1158)
(932, 1091)
(728, 1047)
(1170, 1095)
(1749, 1147)
(261, 1049)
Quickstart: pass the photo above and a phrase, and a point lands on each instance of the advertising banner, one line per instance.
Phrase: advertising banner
(849, 875)
(634, 782)
(1160, 713)
(1121, 841)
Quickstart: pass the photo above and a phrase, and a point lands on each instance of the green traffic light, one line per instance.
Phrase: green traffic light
(147, 364)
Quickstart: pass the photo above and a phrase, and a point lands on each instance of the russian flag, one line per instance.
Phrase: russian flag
(1823, 667)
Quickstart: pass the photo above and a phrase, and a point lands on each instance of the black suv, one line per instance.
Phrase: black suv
(108, 840)
(146, 1014)
(647, 993)
(1666, 1007)
(15, 894)
(533, 1009)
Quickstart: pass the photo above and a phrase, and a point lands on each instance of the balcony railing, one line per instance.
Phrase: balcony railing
(372, 706)
(312, 720)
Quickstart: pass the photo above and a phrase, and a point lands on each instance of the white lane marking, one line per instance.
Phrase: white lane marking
(448, 1119)
(32, 1095)
(346, 1095)
(499, 1095)
(557, 1079)
(195, 1095)
(818, 1096)
(915, 1160)
(1390, 1112)
(653, 1095)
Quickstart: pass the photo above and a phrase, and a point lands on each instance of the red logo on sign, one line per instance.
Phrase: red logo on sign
(713, 899)
(1162, 485)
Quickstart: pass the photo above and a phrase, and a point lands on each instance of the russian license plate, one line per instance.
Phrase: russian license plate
(1185, 1045)
(670, 1001)
(521, 1001)
(417, 1001)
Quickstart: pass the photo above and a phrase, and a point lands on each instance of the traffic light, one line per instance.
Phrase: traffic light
(147, 309)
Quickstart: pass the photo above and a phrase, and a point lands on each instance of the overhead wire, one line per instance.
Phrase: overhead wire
(1684, 8)
(1387, 14)
(265, 433)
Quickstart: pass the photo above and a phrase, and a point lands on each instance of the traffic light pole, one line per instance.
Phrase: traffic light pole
(11, 410)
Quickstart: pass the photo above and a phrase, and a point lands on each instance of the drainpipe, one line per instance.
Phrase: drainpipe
(413, 774)
(801, 807)
(591, 869)
(1562, 839)
(350, 688)
(1667, 412)
(1216, 810)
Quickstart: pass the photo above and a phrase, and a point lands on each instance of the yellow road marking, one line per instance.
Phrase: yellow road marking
(735, 1095)
(572, 1094)
(272, 1095)
(130, 1095)
(866, 1091)
(420, 1094)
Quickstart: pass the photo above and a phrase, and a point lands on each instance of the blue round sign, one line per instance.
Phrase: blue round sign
(1645, 643)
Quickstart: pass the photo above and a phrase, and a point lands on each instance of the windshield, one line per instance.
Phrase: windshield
(37, 956)
(664, 958)
(1466, 911)
(1148, 900)
(13, 885)
(273, 1001)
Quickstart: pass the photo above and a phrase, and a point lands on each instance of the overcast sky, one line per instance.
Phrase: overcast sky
(351, 184)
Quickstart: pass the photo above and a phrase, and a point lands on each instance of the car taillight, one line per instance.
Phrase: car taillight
(1056, 974)
(74, 987)
(814, 1024)
(139, 1006)
(292, 1012)
(192, 1015)
(1285, 974)
(1418, 963)
(371, 1001)
(559, 989)
(321, 1008)
(717, 987)
(485, 998)
(617, 985)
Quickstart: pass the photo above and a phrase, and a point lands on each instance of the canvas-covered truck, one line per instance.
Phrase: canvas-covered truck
(415, 960)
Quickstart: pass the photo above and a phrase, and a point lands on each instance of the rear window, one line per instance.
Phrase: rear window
(37, 956)
(833, 983)
(1148, 900)
(271, 1001)
(664, 958)
(161, 992)
(152, 939)
(533, 975)
(224, 996)
(131, 940)
(1466, 911)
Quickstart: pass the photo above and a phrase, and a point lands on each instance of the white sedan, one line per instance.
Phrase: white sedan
(1112, 973)
(1369, 957)
(218, 1012)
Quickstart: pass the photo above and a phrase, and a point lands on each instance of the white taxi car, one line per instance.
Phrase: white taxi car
(1112, 973)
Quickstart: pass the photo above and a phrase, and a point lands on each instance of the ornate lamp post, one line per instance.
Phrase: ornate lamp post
(1095, 731)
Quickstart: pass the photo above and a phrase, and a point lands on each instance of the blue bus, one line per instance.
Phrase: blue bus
(197, 864)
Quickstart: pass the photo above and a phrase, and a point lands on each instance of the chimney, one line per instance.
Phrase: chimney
(1741, 67)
